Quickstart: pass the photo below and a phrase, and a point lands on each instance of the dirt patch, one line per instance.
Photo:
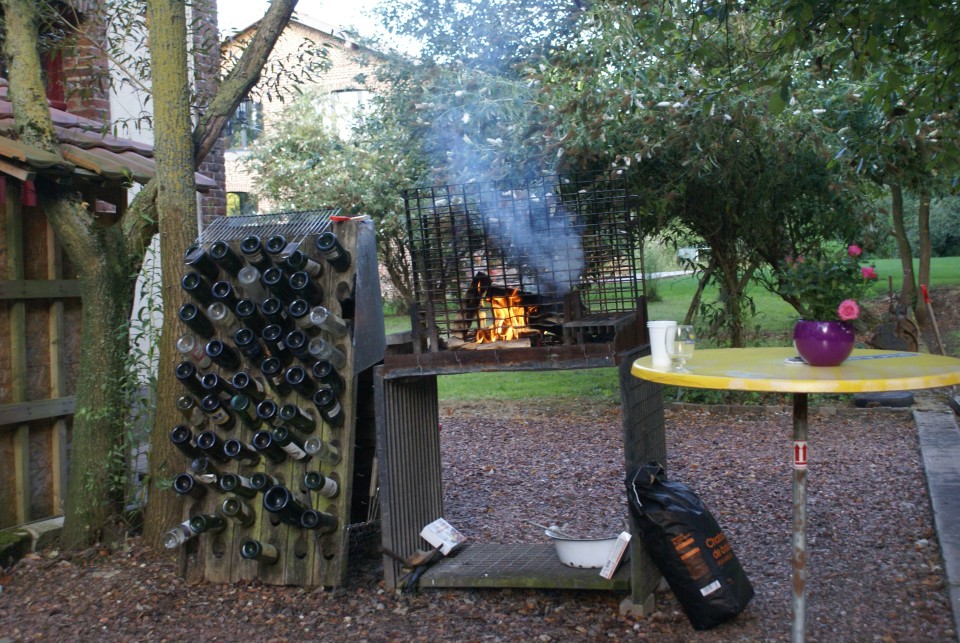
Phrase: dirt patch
(874, 560)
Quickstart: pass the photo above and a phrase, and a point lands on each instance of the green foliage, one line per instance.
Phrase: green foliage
(821, 286)
(944, 226)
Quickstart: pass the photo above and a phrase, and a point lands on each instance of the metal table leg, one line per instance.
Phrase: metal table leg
(799, 561)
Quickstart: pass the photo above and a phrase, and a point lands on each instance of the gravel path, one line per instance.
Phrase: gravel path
(874, 564)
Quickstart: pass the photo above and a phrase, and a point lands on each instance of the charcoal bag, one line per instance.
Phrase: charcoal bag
(687, 545)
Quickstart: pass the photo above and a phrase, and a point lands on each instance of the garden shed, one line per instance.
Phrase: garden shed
(40, 299)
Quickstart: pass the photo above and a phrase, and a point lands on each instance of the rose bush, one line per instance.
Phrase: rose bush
(825, 288)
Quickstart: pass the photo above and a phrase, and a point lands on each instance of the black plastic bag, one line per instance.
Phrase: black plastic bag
(688, 547)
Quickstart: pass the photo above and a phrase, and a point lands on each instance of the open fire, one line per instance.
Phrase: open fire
(502, 319)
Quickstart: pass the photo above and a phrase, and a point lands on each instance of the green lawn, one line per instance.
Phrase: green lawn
(772, 316)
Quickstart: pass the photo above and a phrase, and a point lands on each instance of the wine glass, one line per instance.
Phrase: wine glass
(680, 341)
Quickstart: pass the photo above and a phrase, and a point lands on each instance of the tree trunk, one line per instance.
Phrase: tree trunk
(908, 290)
(698, 295)
(98, 458)
(926, 249)
(177, 156)
(177, 207)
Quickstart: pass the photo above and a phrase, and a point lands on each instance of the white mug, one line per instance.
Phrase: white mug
(658, 342)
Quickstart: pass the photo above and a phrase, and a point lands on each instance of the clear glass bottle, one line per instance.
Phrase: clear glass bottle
(223, 318)
(191, 348)
(249, 279)
(326, 452)
(179, 535)
(324, 350)
(325, 320)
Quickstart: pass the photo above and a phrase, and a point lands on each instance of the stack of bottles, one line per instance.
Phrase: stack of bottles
(262, 394)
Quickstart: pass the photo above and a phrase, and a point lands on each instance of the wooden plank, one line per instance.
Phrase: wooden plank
(18, 355)
(39, 289)
(21, 472)
(17, 172)
(36, 410)
(58, 382)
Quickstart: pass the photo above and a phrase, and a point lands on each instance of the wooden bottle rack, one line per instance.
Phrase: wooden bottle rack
(305, 557)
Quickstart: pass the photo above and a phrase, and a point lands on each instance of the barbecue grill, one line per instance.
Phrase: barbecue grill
(550, 264)
(512, 275)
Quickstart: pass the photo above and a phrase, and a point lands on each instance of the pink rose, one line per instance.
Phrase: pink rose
(854, 251)
(848, 310)
(868, 272)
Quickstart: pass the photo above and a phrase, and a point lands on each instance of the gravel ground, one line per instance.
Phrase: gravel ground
(875, 571)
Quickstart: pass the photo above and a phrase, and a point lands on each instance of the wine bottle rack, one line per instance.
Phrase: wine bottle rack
(305, 557)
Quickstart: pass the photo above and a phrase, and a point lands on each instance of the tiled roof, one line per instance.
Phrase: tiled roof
(86, 149)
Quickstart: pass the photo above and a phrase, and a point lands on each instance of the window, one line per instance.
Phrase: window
(246, 125)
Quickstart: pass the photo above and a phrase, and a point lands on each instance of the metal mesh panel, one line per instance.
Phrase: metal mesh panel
(295, 226)
(564, 250)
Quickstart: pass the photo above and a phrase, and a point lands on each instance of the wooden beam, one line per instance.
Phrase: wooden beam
(39, 288)
(17, 172)
(21, 412)
(18, 354)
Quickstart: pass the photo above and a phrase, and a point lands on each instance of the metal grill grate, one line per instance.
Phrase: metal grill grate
(565, 249)
(295, 226)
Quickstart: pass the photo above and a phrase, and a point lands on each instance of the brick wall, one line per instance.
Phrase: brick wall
(206, 65)
(86, 72)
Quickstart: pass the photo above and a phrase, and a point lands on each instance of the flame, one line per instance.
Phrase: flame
(501, 318)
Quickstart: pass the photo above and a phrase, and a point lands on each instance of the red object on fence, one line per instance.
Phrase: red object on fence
(29, 195)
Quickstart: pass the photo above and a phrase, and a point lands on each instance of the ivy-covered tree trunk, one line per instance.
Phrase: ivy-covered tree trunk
(99, 453)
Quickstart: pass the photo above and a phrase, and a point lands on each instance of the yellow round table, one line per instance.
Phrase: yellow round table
(779, 370)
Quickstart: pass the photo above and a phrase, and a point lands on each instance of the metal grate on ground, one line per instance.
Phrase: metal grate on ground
(518, 565)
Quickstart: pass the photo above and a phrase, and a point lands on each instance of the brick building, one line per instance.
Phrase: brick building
(349, 81)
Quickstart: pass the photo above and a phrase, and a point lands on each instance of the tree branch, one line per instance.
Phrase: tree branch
(140, 219)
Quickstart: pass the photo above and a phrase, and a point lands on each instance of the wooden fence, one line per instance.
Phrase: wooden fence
(39, 355)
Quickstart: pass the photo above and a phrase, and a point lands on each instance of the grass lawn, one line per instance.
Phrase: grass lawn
(773, 317)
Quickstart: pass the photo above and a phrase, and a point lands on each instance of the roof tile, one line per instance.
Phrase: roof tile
(86, 149)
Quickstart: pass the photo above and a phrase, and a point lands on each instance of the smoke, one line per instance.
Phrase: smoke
(537, 234)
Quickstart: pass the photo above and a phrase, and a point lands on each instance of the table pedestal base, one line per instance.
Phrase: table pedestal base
(799, 560)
